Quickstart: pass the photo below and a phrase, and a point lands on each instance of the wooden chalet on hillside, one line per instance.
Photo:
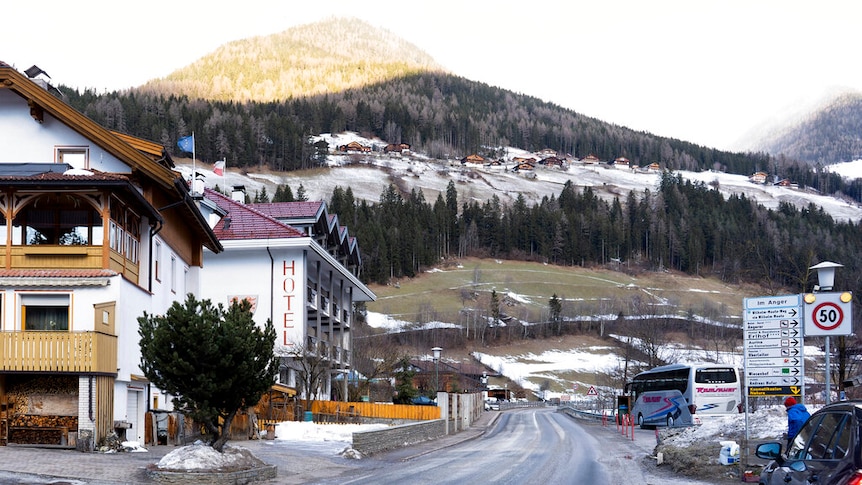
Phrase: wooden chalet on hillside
(553, 162)
(397, 148)
(758, 177)
(590, 159)
(354, 147)
(473, 159)
(622, 163)
(524, 167)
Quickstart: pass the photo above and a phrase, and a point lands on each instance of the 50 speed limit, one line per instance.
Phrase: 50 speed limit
(827, 316)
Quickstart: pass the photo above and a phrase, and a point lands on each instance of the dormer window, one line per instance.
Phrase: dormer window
(76, 157)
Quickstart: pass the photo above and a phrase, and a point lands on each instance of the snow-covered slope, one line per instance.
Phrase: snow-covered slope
(369, 174)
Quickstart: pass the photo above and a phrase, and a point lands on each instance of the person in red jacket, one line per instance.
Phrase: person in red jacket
(797, 414)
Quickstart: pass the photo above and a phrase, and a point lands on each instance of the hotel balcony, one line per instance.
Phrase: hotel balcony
(59, 352)
(328, 311)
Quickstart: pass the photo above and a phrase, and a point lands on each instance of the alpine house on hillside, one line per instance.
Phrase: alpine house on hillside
(300, 269)
(97, 229)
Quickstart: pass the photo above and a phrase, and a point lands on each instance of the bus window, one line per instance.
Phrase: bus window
(715, 376)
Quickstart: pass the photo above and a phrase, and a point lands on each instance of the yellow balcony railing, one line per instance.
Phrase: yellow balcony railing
(72, 352)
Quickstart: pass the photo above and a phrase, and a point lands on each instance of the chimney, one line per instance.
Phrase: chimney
(238, 194)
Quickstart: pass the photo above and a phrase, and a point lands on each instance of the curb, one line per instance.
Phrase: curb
(464, 436)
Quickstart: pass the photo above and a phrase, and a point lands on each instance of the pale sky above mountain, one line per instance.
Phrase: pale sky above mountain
(703, 71)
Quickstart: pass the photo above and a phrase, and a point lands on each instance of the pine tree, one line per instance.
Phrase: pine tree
(262, 197)
(214, 361)
(556, 307)
(405, 391)
(283, 194)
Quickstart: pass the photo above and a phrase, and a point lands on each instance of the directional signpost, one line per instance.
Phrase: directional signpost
(774, 364)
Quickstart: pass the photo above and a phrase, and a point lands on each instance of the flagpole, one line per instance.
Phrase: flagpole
(194, 169)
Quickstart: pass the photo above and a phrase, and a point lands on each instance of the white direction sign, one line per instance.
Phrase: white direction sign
(772, 334)
(828, 314)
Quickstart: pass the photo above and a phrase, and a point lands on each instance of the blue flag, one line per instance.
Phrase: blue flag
(187, 143)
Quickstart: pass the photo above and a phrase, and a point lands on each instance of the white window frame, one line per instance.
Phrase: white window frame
(173, 273)
(43, 299)
(157, 260)
(62, 154)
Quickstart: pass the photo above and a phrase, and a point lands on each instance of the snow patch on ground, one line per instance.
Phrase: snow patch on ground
(765, 423)
(200, 457)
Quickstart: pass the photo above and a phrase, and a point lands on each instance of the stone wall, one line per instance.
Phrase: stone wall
(370, 442)
(264, 473)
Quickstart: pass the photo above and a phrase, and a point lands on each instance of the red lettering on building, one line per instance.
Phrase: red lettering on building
(288, 287)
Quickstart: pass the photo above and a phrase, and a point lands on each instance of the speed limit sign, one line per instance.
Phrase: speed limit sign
(828, 314)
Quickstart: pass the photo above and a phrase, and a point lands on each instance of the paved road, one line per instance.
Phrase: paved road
(516, 446)
(524, 446)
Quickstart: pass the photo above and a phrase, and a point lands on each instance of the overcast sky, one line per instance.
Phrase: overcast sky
(699, 70)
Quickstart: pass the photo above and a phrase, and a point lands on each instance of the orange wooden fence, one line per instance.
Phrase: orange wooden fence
(339, 410)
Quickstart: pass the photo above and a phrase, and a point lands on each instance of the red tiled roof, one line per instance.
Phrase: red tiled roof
(94, 176)
(289, 210)
(244, 222)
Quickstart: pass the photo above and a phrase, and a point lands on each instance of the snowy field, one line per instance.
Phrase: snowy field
(369, 174)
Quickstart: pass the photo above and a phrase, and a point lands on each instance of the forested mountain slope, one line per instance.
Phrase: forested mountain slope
(255, 103)
(324, 57)
(830, 133)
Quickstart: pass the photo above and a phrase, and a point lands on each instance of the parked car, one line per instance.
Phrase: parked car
(423, 401)
(827, 450)
(492, 404)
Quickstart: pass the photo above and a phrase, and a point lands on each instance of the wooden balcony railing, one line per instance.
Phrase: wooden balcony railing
(71, 352)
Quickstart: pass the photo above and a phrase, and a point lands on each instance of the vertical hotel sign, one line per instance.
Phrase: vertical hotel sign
(287, 311)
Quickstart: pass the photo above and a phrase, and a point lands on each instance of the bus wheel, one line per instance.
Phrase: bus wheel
(669, 421)
(640, 420)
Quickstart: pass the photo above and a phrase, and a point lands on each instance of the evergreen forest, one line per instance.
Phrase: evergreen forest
(681, 226)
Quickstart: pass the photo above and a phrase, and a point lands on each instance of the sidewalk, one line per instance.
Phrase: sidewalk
(24, 465)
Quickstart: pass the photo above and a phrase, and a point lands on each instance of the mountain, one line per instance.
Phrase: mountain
(324, 57)
(824, 133)
(254, 103)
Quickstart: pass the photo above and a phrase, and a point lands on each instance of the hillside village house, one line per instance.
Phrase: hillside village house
(473, 160)
(758, 177)
(300, 269)
(98, 228)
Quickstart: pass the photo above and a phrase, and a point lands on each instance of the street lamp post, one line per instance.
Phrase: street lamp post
(826, 278)
(436, 351)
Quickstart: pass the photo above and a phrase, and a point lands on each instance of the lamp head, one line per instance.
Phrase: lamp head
(826, 274)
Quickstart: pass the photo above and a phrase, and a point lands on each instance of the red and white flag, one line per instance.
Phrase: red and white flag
(218, 169)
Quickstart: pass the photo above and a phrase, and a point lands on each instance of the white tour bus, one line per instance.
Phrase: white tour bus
(670, 394)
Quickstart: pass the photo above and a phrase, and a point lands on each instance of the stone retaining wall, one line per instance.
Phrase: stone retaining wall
(370, 442)
(242, 477)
